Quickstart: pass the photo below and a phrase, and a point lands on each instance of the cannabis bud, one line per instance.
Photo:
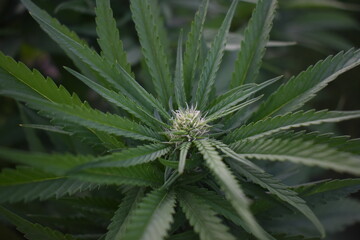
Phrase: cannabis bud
(187, 125)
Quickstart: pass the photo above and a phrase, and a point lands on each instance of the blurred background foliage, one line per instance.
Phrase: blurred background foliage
(304, 32)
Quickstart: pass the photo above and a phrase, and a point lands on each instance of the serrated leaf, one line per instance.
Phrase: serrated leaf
(252, 48)
(341, 143)
(335, 215)
(202, 217)
(193, 47)
(120, 220)
(152, 218)
(129, 157)
(272, 125)
(277, 188)
(213, 60)
(33, 231)
(109, 75)
(298, 151)
(153, 43)
(120, 100)
(109, 41)
(139, 175)
(179, 87)
(237, 95)
(325, 191)
(231, 187)
(94, 119)
(303, 87)
(218, 203)
(184, 148)
(25, 184)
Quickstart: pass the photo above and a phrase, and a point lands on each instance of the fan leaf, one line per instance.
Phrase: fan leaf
(26, 184)
(202, 217)
(152, 218)
(253, 45)
(109, 41)
(303, 87)
(193, 46)
(272, 125)
(213, 60)
(231, 187)
(33, 231)
(153, 44)
(298, 151)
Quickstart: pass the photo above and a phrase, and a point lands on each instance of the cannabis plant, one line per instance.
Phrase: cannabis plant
(179, 161)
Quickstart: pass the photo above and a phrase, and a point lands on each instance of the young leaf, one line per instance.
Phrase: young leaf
(236, 95)
(213, 60)
(25, 184)
(272, 125)
(109, 41)
(153, 44)
(252, 48)
(231, 187)
(300, 89)
(120, 220)
(298, 151)
(179, 88)
(184, 148)
(152, 218)
(33, 231)
(193, 46)
(202, 217)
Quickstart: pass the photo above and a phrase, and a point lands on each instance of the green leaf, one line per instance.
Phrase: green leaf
(153, 43)
(109, 75)
(152, 218)
(252, 48)
(217, 202)
(321, 192)
(231, 187)
(300, 89)
(236, 95)
(298, 151)
(25, 184)
(120, 100)
(226, 111)
(129, 157)
(213, 60)
(58, 164)
(94, 119)
(109, 41)
(335, 215)
(179, 87)
(341, 143)
(280, 190)
(193, 46)
(184, 148)
(19, 82)
(139, 175)
(120, 220)
(202, 217)
(272, 125)
(33, 231)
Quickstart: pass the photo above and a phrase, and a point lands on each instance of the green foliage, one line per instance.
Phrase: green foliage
(253, 45)
(183, 164)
